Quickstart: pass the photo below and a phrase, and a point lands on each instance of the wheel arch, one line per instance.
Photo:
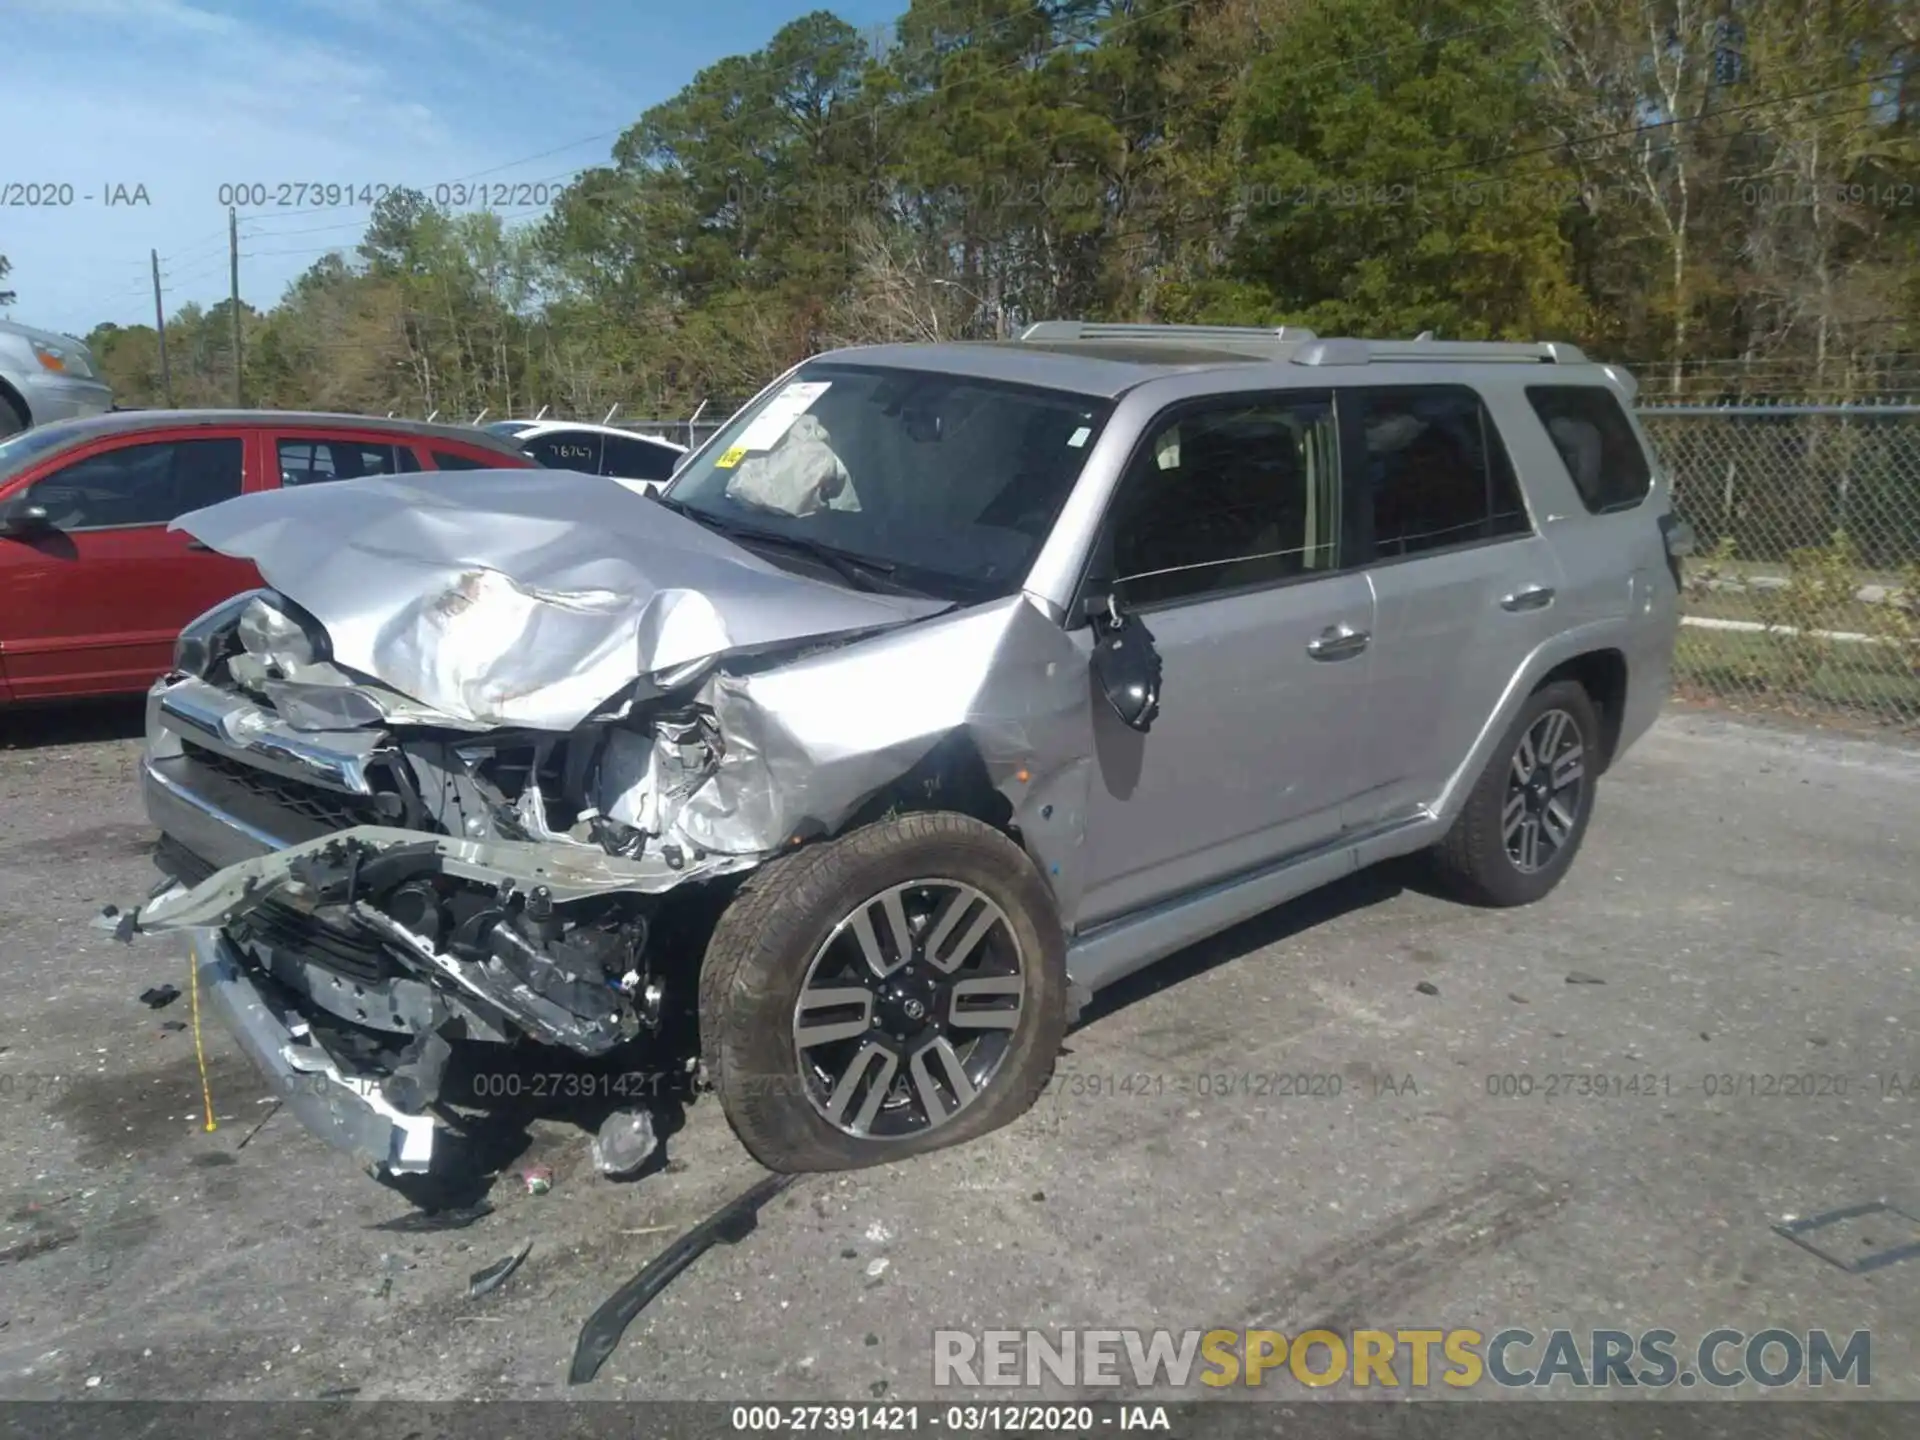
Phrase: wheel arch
(19, 402)
(1602, 673)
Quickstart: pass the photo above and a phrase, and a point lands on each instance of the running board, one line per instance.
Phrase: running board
(1117, 948)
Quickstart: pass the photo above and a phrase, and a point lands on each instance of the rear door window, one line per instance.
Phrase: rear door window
(1596, 440)
(151, 484)
(453, 460)
(310, 461)
(1435, 469)
(637, 459)
(566, 450)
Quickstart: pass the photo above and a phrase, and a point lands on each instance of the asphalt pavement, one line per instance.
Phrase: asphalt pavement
(1370, 1108)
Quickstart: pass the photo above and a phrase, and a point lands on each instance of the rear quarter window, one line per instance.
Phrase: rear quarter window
(1597, 443)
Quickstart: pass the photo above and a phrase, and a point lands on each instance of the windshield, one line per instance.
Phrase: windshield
(29, 445)
(950, 483)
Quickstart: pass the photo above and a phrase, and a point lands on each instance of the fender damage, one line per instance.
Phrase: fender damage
(584, 703)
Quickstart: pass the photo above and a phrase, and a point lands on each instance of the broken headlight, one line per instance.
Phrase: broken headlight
(279, 634)
(210, 637)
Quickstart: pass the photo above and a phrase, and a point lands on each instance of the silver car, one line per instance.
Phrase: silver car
(945, 686)
(44, 376)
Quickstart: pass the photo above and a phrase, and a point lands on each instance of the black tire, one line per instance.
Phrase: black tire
(12, 419)
(1474, 862)
(762, 950)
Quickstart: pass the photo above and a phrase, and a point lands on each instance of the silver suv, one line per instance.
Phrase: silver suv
(945, 686)
(44, 377)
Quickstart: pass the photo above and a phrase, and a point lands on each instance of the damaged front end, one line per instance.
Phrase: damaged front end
(362, 902)
(409, 801)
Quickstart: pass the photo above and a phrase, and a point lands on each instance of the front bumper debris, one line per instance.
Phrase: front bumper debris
(518, 966)
(347, 1111)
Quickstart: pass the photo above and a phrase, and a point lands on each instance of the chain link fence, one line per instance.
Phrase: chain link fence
(1804, 594)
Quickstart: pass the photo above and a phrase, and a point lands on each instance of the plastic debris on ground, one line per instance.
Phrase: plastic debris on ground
(482, 1282)
(625, 1143)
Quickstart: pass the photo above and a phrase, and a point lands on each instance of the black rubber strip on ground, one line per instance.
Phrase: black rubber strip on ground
(728, 1225)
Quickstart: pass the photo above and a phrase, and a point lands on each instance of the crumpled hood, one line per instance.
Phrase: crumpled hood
(523, 597)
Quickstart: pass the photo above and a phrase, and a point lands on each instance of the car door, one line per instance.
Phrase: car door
(1464, 587)
(310, 457)
(92, 598)
(1225, 542)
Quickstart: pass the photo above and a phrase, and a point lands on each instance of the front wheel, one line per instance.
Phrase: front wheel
(896, 990)
(12, 419)
(1528, 812)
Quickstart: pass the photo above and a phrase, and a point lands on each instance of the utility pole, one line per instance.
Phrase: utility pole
(160, 324)
(233, 262)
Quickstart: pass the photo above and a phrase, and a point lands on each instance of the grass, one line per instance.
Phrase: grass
(1778, 672)
(1857, 615)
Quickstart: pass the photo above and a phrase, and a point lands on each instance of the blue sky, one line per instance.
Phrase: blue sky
(182, 97)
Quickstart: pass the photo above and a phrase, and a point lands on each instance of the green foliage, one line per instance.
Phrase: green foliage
(1361, 166)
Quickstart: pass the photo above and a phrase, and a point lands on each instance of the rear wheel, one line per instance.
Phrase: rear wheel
(894, 991)
(1528, 812)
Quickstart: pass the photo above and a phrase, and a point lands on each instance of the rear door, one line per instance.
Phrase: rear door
(1464, 587)
(91, 603)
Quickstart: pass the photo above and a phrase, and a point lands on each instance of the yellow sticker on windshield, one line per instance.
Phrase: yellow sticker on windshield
(732, 458)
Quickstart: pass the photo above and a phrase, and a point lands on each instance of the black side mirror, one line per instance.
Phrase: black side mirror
(19, 517)
(1125, 665)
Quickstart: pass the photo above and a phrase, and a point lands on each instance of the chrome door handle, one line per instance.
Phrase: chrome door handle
(1534, 597)
(1338, 642)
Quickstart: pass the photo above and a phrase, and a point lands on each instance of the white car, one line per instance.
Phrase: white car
(640, 462)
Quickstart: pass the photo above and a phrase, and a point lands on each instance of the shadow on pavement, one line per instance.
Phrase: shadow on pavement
(72, 722)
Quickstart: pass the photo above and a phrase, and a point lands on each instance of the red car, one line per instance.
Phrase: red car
(94, 587)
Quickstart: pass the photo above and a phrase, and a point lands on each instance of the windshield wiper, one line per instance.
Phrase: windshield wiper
(857, 570)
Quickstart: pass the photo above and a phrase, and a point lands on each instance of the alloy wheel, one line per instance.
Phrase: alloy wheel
(1545, 790)
(908, 1009)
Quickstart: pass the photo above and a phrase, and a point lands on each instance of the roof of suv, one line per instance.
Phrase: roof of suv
(1107, 360)
(1105, 371)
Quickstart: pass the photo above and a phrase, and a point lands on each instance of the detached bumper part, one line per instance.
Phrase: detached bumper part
(347, 1111)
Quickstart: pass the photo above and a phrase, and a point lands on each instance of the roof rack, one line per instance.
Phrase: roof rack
(1255, 338)
(1303, 347)
(1470, 352)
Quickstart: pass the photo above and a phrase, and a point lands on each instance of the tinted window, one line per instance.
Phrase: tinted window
(1229, 495)
(638, 459)
(1593, 436)
(308, 462)
(566, 451)
(141, 484)
(448, 460)
(952, 482)
(1437, 470)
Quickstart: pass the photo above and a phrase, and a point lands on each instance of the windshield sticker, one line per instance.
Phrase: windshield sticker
(770, 426)
(1079, 437)
(732, 458)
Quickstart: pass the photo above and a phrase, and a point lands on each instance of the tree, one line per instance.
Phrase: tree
(6, 296)
(1395, 181)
